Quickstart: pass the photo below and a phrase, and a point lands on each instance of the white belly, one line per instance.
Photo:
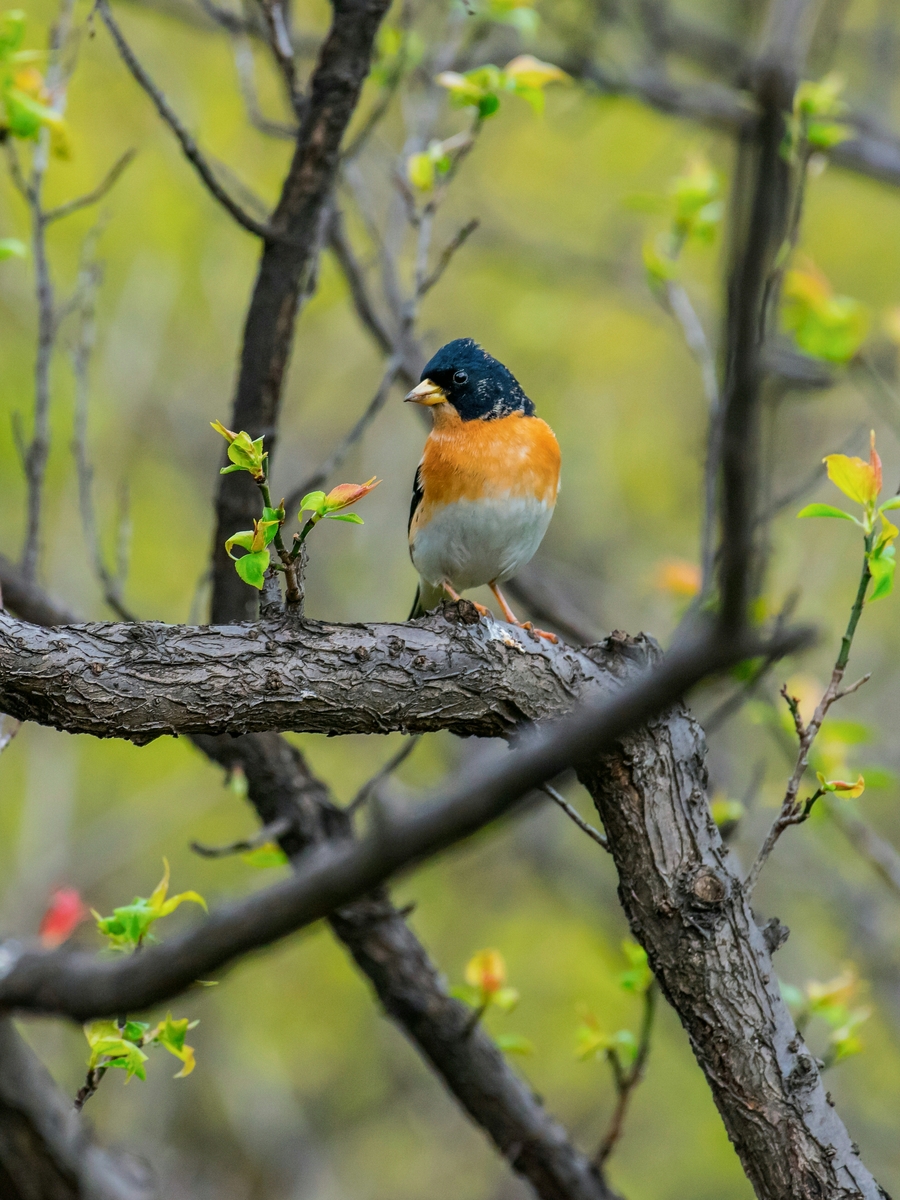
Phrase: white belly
(470, 543)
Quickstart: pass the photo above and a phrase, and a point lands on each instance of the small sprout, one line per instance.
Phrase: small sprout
(831, 1002)
(482, 87)
(115, 1047)
(253, 565)
(64, 914)
(862, 481)
(812, 121)
(25, 102)
(426, 169)
(332, 504)
(823, 325)
(130, 925)
(847, 791)
(121, 1046)
(170, 1034)
(485, 975)
(245, 453)
(12, 248)
(638, 977)
(694, 206)
(593, 1042)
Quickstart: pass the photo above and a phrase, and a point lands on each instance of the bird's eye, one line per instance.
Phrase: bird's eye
(460, 377)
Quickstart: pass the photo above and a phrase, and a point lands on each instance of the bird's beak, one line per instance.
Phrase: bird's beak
(427, 393)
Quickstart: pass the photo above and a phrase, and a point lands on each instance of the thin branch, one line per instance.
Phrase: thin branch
(459, 239)
(879, 853)
(574, 815)
(112, 583)
(94, 197)
(793, 811)
(343, 448)
(268, 833)
(244, 63)
(627, 1081)
(189, 147)
(371, 786)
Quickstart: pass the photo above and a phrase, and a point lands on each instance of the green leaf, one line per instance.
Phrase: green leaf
(505, 999)
(488, 105)
(273, 514)
(12, 248)
(312, 502)
(514, 1043)
(894, 502)
(350, 518)
(252, 568)
(243, 539)
(882, 569)
(825, 510)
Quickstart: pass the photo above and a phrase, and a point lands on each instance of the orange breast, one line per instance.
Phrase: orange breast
(514, 456)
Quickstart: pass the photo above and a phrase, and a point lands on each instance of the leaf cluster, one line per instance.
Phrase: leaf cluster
(25, 103)
(482, 87)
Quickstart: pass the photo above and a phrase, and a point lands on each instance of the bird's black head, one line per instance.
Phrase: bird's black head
(478, 387)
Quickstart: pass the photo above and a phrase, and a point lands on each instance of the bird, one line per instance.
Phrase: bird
(487, 483)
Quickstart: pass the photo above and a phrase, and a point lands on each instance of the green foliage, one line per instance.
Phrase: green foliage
(621, 1048)
(482, 87)
(694, 207)
(129, 926)
(121, 1046)
(245, 453)
(831, 1003)
(862, 482)
(638, 977)
(812, 122)
(339, 498)
(485, 989)
(25, 104)
(823, 325)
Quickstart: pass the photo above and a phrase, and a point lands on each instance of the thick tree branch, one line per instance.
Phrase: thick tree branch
(145, 680)
(286, 269)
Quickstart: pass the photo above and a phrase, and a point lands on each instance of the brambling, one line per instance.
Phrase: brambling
(487, 484)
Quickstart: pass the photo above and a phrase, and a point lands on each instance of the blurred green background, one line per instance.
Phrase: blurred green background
(303, 1091)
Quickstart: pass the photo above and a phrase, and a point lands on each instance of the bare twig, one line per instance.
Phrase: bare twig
(268, 833)
(112, 583)
(343, 448)
(189, 147)
(574, 815)
(243, 61)
(459, 238)
(8, 730)
(93, 197)
(282, 51)
(371, 786)
(36, 454)
(794, 812)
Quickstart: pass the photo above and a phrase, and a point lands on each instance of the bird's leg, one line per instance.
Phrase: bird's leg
(513, 620)
(454, 595)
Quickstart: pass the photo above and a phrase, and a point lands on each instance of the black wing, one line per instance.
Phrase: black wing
(418, 493)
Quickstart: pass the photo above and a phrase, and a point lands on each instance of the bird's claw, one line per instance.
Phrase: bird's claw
(541, 633)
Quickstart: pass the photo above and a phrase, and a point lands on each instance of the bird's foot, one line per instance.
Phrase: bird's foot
(541, 633)
(456, 597)
(512, 619)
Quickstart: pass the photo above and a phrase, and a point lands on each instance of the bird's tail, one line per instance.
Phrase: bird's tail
(427, 597)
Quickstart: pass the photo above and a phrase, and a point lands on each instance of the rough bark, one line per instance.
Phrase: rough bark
(685, 905)
(285, 270)
(145, 680)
